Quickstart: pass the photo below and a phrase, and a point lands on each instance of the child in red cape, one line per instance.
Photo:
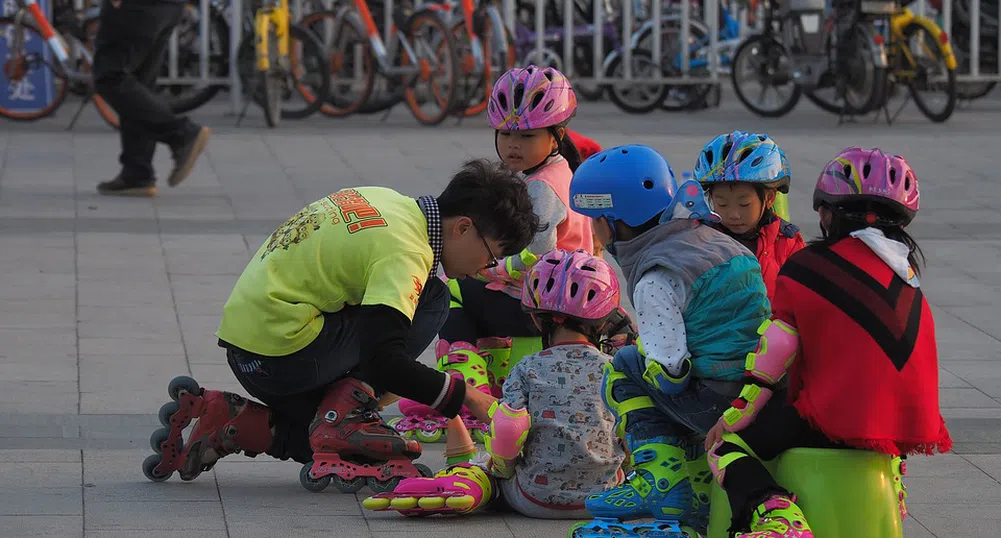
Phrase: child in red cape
(851, 326)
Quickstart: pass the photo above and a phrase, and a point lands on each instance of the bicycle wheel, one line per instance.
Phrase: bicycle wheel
(636, 98)
(25, 72)
(185, 97)
(307, 73)
(271, 84)
(865, 84)
(766, 61)
(352, 65)
(437, 81)
(477, 86)
(930, 72)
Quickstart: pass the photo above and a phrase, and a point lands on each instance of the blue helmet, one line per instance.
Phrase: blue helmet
(743, 157)
(630, 183)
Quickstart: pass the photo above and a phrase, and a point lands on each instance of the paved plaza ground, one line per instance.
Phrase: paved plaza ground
(104, 300)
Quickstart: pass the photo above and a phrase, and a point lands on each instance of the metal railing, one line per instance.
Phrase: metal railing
(681, 12)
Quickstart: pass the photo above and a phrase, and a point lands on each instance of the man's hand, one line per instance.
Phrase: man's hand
(116, 3)
(479, 403)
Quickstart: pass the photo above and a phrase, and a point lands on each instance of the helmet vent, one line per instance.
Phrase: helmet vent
(602, 159)
(502, 99)
(587, 268)
(648, 184)
(744, 155)
(907, 182)
(519, 94)
(848, 170)
(549, 284)
(535, 284)
(549, 105)
(709, 157)
(552, 261)
(537, 100)
(757, 161)
(866, 169)
(590, 295)
(893, 176)
(574, 288)
(763, 138)
(726, 150)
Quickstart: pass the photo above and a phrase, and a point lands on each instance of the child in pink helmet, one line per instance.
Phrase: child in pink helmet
(855, 334)
(551, 441)
(529, 109)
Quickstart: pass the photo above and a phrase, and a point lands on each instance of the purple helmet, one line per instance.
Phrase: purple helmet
(573, 284)
(858, 174)
(531, 98)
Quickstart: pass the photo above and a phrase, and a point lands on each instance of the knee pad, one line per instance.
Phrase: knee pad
(620, 406)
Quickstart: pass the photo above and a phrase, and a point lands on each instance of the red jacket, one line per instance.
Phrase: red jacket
(585, 146)
(867, 370)
(777, 240)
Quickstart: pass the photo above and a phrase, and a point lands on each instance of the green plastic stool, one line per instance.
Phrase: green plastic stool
(843, 493)
(504, 359)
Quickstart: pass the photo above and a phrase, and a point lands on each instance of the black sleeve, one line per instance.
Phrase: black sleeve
(386, 365)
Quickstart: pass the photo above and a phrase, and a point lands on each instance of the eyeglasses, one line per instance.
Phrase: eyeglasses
(494, 262)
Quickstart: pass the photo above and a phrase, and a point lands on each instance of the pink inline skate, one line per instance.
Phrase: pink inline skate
(227, 423)
(353, 448)
(462, 360)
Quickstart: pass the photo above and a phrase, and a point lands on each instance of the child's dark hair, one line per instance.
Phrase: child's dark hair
(497, 201)
(850, 217)
(566, 147)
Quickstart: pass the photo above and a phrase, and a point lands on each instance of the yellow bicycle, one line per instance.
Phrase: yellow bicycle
(283, 61)
(920, 57)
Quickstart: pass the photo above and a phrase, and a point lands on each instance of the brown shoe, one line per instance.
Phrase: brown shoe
(121, 187)
(186, 156)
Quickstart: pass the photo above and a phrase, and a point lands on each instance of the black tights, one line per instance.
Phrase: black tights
(777, 428)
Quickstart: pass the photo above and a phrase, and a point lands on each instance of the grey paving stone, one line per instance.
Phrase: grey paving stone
(954, 520)
(37, 526)
(156, 515)
(17, 500)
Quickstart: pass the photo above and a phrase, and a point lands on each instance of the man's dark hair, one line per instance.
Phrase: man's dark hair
(497, 201)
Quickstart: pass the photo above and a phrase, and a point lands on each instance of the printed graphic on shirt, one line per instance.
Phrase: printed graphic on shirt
(347, 206)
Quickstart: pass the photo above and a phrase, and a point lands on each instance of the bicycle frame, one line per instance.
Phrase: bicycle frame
(904, 17)
(273, 15)
(361, 16)
(55, 42)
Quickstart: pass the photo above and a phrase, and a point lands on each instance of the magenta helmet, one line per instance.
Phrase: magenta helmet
(573, 284)
(531, 98)
(858, 175)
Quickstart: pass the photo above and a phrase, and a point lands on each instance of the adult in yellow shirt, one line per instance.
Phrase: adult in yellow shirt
(332, 312)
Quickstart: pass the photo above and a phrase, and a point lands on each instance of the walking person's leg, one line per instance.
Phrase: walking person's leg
(131, 43)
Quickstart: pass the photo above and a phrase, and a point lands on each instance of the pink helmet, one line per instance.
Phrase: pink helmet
(574, 284)
(858, 174)
(531, 98)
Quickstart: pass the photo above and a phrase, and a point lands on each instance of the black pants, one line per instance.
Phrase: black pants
(777, 428)
(293, 386)
(130, 48)
(485, 313)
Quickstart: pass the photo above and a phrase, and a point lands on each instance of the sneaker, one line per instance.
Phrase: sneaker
(120, 187)
(186, 155)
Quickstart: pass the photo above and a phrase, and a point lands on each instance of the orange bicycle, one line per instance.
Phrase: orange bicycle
(420, 65)
(40, 65)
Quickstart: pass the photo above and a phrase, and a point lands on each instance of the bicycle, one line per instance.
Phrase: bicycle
(358, 55)
(30, 43)
(270, 76)
(920, 57)
(843, 54)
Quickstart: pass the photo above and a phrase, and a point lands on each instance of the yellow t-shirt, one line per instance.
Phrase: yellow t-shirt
(360, 246)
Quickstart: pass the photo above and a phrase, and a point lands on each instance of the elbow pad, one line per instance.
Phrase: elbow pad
(776, 351)
(508, 431)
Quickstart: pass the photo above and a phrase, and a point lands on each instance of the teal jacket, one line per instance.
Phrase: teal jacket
(726, 296)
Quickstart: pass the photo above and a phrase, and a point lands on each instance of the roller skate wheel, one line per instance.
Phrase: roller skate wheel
(429, 437)
(387, 486)
(431, 503)
(149, 468)
(180, 383)
(573, 530)
(309, 483)
(424, 470)
(167, 410)
(157, 438)
(404, 503)
(343, 485)
(393, 422)
(462, 503)
(376, 503)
